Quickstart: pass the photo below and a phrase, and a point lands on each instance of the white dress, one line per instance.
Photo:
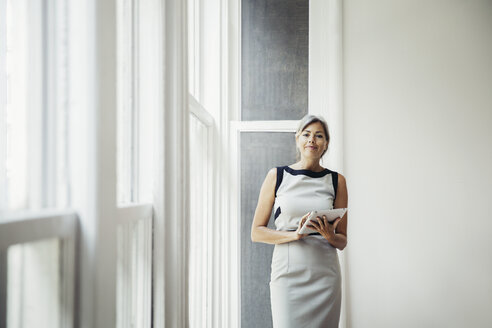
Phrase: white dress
(305, 283)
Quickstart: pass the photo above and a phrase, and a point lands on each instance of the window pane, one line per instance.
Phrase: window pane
(274, 68)
(33, 296)
(134, 274)
(260, 151)
(149, 93)
(193, 47)
(59, 107)
(139, 97)
(23, 35)
(33, 105)
(126, 103)
(3, 105)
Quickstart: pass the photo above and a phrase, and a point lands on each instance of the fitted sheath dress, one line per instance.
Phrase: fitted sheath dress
(305, 282)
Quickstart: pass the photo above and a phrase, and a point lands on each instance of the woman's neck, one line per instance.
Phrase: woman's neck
(306, 164)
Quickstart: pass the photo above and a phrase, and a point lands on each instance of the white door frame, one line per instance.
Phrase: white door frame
(325, 98)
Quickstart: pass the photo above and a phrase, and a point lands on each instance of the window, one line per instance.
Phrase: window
(138, 96)
(91, 135)
(37, 232)
(34, 151)
(138, 102)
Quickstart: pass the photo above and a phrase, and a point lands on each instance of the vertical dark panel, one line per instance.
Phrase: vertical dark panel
(274, 64)
(260, 151)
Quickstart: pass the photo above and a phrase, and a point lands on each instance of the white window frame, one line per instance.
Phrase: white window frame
(171, 205)
(207, 171)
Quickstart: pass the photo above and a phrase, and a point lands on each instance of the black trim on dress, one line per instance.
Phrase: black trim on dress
(280, 176)
(277, 212)
(334, 177)
(309, 173)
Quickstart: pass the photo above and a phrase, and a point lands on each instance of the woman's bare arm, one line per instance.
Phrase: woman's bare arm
(340, 238)
(259, 231)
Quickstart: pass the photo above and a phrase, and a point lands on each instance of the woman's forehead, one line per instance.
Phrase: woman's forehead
(314, 127)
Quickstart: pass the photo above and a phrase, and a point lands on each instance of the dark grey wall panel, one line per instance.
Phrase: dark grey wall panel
(274, 64)
(260, 151)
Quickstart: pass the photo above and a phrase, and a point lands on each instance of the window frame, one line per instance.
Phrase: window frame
(206, 171)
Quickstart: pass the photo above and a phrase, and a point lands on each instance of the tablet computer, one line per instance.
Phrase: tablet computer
(331, 215)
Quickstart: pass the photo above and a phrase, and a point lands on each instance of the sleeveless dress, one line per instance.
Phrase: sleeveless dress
(305, 282)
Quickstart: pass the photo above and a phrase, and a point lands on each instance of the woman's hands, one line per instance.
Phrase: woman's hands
(301, 223)
(325, 228)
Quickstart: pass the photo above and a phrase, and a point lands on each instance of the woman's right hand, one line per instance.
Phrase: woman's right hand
(301, 223)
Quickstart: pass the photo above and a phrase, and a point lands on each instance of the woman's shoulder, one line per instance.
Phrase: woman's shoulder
(341, 177)
(274, 171)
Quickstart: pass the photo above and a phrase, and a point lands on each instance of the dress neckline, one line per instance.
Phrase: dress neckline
(309, 173)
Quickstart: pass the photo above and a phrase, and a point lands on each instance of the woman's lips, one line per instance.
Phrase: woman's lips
(311, 147)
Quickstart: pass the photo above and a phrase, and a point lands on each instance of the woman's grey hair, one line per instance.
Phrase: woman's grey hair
(309, 119)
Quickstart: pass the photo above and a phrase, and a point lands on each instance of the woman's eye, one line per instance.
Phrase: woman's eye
(305, 134)
(319, 136)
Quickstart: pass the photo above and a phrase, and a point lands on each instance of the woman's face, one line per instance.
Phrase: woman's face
(312, 141)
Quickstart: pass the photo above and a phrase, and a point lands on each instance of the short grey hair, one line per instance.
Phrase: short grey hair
(309, 119)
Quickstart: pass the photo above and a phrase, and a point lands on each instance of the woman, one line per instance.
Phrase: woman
(305, 284)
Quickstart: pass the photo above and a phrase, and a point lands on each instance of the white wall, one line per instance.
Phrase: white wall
(418, 161)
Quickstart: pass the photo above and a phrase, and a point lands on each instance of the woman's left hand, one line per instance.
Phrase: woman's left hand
(325, 228)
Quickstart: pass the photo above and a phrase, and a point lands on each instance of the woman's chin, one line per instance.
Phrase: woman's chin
(310, 155)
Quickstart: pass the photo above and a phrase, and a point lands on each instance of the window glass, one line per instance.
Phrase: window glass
(138, 98)
(193, 47)
(134, 274)
(274, 55)
(33, 281)
(23, 99)
(33, 105)
(127, 110)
